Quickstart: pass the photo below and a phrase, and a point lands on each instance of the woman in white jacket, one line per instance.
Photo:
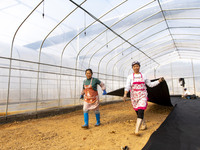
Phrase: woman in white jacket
(136, 84)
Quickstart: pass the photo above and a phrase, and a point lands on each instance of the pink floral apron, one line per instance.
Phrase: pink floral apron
(139, 93)
(91, 98)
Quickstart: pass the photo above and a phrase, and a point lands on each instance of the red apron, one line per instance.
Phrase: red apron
(139, 93)
(90, 95)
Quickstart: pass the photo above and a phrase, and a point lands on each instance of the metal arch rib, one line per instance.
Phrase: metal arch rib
(99, 34)
(40, 51)
(171, 52)
(180, 50)
(158, 45)
(84, 30)
(183, 50)
(135, 43)
(139, 42)
(172, 57)
(113, 31)
(183, 46)
(183, 27)
(96, 21)
(120, 33)
(181, 18)
(165, 50)
(127, 65)
(166, 61)
(151, 42)
(130, 52)
(57, 26)
(167, 24)
(129, 60)
(188, 34)
(128, 39)
(150, 36)
(168, 19)
(194, 8)
(89, 25)
(8, 94)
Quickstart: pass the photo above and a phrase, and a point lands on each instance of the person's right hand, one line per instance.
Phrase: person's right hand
(81, 97)
(124, 98)
(161, 79)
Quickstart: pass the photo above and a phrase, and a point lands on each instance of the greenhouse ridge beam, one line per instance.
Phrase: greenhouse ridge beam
(168, 26)
(125, 41)
(137, 43)
(121, 32)
(134, 43)
(112, 30)
(89, 26)
(132, 52)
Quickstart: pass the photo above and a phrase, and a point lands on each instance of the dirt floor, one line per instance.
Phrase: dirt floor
(64, 132)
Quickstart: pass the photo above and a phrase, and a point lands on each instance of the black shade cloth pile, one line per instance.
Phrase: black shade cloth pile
(180, 130)
(159, 94)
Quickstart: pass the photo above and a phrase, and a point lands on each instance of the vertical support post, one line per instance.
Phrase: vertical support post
(193, 77)
(77, 64)
(59, 92)
(20, 86)
(11, 53)
(172, 78)
(155, 73)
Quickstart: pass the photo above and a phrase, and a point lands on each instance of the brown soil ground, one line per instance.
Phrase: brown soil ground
(64, 132)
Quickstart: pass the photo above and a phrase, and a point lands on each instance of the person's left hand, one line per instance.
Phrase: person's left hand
(124, 98)
(161, 79)
(104, 92)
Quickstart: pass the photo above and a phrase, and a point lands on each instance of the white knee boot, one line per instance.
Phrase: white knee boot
(137, 127)
(143, 125)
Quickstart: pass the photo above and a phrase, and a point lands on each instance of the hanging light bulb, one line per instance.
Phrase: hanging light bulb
(85, 23)
(43, 10)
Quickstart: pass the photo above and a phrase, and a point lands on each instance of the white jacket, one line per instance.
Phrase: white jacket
(129, 81)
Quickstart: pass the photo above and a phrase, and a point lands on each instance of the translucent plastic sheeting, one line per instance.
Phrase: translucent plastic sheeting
(77, 40)
(187, 69)
(45, 46)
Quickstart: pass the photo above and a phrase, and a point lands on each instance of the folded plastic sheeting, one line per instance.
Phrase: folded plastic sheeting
(180, 130)
(158, 94)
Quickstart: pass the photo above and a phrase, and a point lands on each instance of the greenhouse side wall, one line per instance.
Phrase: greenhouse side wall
(57, 87)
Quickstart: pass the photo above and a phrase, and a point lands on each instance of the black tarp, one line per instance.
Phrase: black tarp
(158, 94)
(180, 130)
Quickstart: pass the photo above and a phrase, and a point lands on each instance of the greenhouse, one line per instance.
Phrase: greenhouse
(46, 46)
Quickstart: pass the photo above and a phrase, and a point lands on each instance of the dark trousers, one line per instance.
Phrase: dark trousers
(140, 113)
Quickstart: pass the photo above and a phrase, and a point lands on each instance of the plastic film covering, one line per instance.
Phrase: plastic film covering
(45, 47)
